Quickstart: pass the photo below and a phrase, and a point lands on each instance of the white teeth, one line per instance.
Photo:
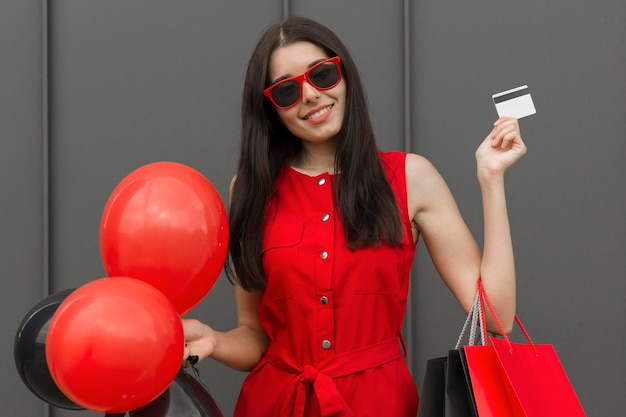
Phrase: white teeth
(318, 113)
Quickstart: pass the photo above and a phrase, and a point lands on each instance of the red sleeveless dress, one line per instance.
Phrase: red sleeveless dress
(333, 316)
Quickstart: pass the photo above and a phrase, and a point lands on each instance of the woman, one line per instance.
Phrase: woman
(323, 233)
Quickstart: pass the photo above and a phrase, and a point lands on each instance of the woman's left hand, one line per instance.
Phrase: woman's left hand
(199, 341)
(501, 148)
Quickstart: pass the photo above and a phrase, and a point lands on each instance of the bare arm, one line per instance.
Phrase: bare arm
(240, 348)
(450, 244)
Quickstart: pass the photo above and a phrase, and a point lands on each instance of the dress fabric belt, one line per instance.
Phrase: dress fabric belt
(320, 377)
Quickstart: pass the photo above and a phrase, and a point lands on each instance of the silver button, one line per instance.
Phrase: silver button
(321, 181)
(324, 300)
(325, 217)
(326, 344)
(324, 255)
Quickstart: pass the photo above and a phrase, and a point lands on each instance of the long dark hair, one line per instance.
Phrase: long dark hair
(367, 205)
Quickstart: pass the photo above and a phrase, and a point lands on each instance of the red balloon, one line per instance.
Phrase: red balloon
(166, 224)
(114, 344)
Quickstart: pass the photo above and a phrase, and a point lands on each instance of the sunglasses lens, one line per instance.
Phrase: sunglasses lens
(324, 75)
(286, 93)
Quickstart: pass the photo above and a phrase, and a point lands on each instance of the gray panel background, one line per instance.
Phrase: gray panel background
(91, 90)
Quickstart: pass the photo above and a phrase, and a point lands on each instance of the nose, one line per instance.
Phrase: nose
(309, 92)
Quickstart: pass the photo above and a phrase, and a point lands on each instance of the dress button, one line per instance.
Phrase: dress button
(324, 300)
(325, 217)
(326, 344)
(324, 255)
(321, 181)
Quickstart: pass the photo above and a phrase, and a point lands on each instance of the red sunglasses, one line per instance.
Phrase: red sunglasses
(324, 75)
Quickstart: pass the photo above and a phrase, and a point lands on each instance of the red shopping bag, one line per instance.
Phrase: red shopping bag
(519, 380)
(537, 379)
(489, 385)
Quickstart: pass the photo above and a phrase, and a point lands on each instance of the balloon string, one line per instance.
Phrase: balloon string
(196, 373)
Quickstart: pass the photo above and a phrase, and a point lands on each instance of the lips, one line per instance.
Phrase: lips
(318, 113)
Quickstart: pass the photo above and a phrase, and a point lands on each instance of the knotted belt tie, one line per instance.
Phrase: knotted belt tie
(320, 377)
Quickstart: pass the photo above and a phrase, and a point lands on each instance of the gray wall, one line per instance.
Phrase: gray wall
(91, 90)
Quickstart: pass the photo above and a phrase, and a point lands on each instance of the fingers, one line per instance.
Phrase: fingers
(501, 148)
(188, 358)
(199, 342)
(191, 360)
(192, 332)
(505, 133)
(192, 328)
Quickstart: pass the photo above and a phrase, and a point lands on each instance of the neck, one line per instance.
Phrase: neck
(315, 160)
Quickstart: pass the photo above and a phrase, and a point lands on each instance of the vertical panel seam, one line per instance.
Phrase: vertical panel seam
(45, 159)
(407, 73)
(45, 149)
(406, 52)
(286, 9)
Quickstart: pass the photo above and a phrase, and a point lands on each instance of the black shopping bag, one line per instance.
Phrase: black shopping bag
(447, 389)
(459, 400)
(432, 397)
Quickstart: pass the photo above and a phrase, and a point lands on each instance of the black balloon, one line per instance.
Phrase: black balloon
(186, 396)
(29, 351)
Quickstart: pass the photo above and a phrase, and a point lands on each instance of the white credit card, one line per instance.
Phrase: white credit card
(515, 102)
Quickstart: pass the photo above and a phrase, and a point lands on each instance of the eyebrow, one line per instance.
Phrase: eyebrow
(285, 77)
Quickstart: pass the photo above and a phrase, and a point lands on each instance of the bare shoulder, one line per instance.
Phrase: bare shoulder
(417, 164)
(421, 174)
(424, 184)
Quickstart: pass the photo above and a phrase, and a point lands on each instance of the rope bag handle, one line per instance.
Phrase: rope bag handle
(483, 296)
(475, 321)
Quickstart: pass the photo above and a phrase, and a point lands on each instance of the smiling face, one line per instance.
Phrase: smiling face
(318, 115)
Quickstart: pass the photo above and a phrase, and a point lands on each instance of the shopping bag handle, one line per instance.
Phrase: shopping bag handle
(483, 294)
(475, 321)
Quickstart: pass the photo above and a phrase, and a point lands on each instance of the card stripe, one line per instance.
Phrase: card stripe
(509, 96)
